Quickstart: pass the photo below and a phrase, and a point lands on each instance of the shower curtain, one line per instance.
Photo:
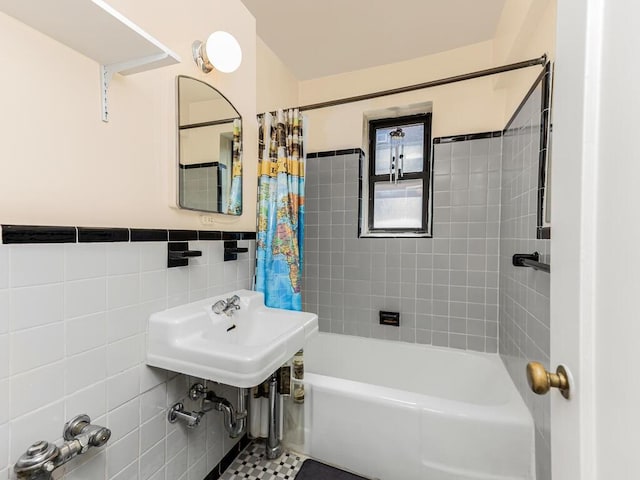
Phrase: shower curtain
(235, 192)
(280, 229)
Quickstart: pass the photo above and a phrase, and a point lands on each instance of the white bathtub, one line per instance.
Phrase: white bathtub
(398, 411)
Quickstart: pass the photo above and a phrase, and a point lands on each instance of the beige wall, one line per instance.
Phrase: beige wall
(277, 86)
(526, 30)
(61, 165)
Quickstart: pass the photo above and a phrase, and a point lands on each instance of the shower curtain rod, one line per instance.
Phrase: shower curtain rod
(433, 83)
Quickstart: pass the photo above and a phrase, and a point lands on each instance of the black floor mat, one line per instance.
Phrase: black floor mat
(314, 470)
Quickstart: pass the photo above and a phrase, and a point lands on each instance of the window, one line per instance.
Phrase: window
(399, 178)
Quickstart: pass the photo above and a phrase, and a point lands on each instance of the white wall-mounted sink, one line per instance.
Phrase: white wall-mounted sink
(241, 349)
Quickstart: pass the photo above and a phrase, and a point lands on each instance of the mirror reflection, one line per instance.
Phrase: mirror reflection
(209, 149)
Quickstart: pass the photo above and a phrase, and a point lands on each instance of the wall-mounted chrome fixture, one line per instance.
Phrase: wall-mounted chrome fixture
(231, 250)
(177, 412)
(221, 51)
(178, 254)
(43, 457)
(396, 155)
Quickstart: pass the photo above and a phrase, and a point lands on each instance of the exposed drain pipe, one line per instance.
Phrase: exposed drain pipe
(234, 422)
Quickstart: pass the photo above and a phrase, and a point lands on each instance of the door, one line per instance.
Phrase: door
(595, 245)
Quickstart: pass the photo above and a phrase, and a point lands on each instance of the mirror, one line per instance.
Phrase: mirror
(209, 149)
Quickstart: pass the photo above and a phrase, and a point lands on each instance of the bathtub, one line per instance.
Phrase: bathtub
(398, 411)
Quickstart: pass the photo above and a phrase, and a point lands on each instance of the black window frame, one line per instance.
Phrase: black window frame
(425, 174)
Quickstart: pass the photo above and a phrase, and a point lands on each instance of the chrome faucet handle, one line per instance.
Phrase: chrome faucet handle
(234, 301)
(219, 307)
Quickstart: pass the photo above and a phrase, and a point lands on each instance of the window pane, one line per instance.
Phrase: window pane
(398, 205)
(413, 160)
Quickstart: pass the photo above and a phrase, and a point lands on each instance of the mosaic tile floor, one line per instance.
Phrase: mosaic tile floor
(252, 464)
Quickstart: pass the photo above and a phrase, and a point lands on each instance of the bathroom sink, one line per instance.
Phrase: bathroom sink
(241, 349)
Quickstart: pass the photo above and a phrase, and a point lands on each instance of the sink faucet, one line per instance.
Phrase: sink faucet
(227, 306)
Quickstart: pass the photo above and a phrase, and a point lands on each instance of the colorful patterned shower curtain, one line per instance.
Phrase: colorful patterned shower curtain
(235, 192)
(280, 235)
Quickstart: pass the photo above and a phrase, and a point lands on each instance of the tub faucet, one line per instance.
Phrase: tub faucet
(227, 306)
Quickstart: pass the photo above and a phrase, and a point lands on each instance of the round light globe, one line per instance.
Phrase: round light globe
(224, 51)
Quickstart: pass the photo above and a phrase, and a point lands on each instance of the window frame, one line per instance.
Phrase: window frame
(425, 175)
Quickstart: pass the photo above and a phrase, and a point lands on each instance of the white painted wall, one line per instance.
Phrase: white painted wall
(574, 247)
(61, 165)
(617, 282)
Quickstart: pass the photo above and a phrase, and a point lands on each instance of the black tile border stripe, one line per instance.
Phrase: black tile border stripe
(26, 234)
(333, 153)
(467, 137)
(149, 235)
(12, 234)
(182, 235)
(228, 459)
(92, 234)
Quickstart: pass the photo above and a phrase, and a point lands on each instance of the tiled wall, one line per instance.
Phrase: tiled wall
(524, 292)
(72, 340)
(445, 287)
(199, 188)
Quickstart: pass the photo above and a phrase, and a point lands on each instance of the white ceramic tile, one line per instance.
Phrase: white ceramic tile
(5, 403)
(178, 299)
(85, 369)
(177, 465)
(153, 431)
(123, 291)
(153, 402)
(178, 280)
(34, 306)
(85, 333)
(91, 400)
(122, 453)
(153, 256)
(216, 252)
(159, 475)
(198, 277)
(216, 275)
(196, 445)
(85, 260)
(123, 258)
(198, 470)
(85, 297)
(4, 356)
(124, 354)
(36, 264)
(36, 389)
(177, 389)
(124, 419)
(123, 322)
(36, 347)
(153, 285)
(151, 377)
(4, 266)
(4, 311)
(4, 446)
(176, 442)
(128, 473)
(152, 460)
(93, 468)
(123, 387)
(43, 424)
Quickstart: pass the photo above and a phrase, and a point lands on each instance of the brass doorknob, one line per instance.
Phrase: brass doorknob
(542, 381)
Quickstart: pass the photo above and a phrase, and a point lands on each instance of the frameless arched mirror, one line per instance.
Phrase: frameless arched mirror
(209, 149)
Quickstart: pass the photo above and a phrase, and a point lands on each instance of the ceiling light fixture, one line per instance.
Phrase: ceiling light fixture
(221, 51)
